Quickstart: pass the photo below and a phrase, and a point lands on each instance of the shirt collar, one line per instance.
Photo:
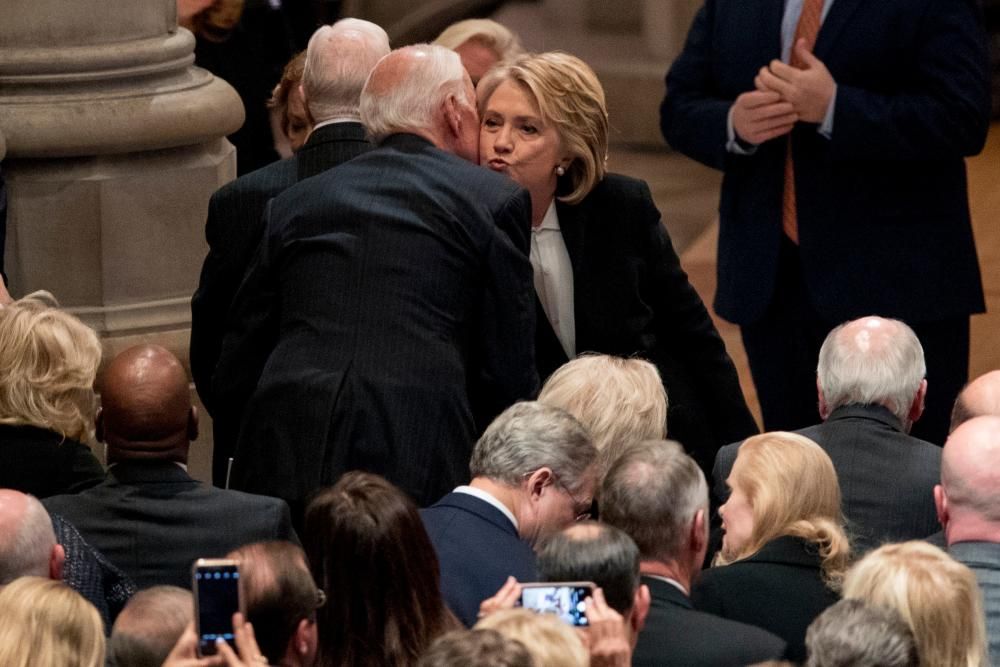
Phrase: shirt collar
(488, 497)
(337, 119)
(550, 221)
(667, 580)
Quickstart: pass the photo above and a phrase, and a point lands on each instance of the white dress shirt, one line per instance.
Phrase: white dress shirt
(554, 278)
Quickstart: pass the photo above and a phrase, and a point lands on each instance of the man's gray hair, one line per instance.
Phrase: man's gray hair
(852, 633)
(148, 627)
(26, 547)
(596, 552)
(339, 59)
(882, 364)
(411, 100)
(528, 436)
(652, 492)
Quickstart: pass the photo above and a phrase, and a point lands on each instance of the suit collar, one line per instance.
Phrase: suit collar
(983, 555)
(346, 131)
(480, 508)
(786, 550)
(138, 472)
(661, 591)
(877, 413)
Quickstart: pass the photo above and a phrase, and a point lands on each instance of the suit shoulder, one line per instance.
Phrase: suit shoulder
(267, 181)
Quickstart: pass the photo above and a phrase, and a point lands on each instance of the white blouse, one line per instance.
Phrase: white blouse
(554, 278)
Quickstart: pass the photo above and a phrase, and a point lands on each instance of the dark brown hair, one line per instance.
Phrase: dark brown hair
(368, 550)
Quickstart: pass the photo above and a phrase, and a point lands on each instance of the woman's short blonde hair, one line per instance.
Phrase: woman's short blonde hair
(792, 488)
(45, 623)
(549, 640)
(570, 98)
(620, 401)
(937, 596)
(48, 362)
(497, 37)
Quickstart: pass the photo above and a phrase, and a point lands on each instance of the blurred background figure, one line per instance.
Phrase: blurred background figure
(550, 641)
(369, 552)
(291, 122)
(476, 648)
(480, 43)
(149, 626)
(45, 623)
(936, 595)
(48, 362)
(854, 634)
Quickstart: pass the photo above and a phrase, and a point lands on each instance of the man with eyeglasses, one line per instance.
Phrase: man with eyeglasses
(533, 473)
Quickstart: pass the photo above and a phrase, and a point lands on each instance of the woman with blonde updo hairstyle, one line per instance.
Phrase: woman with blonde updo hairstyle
(784, 551)
(45, 623)
(606, 274)
(48, 363)
(550, 640)
(937, 596)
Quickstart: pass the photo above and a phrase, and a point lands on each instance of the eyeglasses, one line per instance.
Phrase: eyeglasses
(577, 503)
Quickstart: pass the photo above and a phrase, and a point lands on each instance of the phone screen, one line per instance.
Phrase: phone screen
(217, 590)
(567, 602)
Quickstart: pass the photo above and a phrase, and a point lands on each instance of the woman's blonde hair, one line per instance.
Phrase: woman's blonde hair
(937, 596)
(570, 98)
(497, 37)
(792, 488)
(45, 623)
(549, 640)
(48, 362)
(620, 401)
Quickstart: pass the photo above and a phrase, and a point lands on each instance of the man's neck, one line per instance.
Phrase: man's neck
(971, 529)
(669, 569)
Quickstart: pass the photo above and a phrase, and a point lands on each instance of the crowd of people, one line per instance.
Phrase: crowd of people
(447, 353)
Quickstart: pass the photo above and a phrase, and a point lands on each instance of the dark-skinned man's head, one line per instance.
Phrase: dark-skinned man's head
(146, 411)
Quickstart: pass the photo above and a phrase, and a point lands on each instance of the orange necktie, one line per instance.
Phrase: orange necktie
(807, 28)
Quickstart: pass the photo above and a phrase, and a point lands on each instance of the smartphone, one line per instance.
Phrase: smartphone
(565, 599)
(217, 596)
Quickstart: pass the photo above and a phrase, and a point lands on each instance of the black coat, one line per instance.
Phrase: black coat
(390, 302)
(780, 588)
(632, 298)
(676, 635)
(41, 462)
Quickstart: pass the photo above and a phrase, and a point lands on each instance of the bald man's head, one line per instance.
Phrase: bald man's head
(980, 397)
(970, 470)
(28, 544)
(146, 410)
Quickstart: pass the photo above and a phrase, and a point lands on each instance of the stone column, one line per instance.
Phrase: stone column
(115, 142)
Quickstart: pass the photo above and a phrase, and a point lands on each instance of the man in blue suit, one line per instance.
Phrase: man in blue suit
(841, 126)
(533, 474)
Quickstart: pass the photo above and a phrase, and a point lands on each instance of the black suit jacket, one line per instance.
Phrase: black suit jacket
(398, 290)
(886, 477)
(632, 298)
(883, 212)
(152, 520)
(677, 635)
(41, 462)
(477, 548)
(234, 229)
(780, 588)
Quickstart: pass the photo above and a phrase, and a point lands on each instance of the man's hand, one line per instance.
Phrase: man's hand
(505, 598)
(808, 90)
(760, 115)
(605, 636)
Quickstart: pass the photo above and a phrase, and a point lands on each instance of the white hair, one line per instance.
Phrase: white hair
(495, 36)
(339, 59)
(881, 364)
(391, 103)
(25, 548)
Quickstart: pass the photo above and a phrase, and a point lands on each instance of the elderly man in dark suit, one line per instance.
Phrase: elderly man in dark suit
(400, 290)
(842, 127)
(657, 495)
(533, 473)
(871, 390)
(338, 61)
(149, 517)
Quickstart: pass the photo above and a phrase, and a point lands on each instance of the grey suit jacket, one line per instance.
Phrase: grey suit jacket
(983, 558)
(887, 477)
(152, 520)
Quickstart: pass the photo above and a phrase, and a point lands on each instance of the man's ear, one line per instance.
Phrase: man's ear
(99, 425)
(452, 114)
(698, 539)
(56, 559)
(192, 427)
(941, 505)
(303, 641)
(824, 410)
(640, 609)
(917, 407)
(538, 480)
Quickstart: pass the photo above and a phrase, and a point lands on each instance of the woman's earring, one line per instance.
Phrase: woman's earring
(560, 170)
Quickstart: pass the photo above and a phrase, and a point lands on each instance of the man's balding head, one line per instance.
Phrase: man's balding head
(873, 361)
(149, 626)
(339, 59)
(980, 397)
(27, 540)
(424, 90)
(146, 410)
(968, 497)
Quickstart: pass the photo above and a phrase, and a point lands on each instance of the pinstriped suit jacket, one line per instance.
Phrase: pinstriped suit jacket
(233, 230)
